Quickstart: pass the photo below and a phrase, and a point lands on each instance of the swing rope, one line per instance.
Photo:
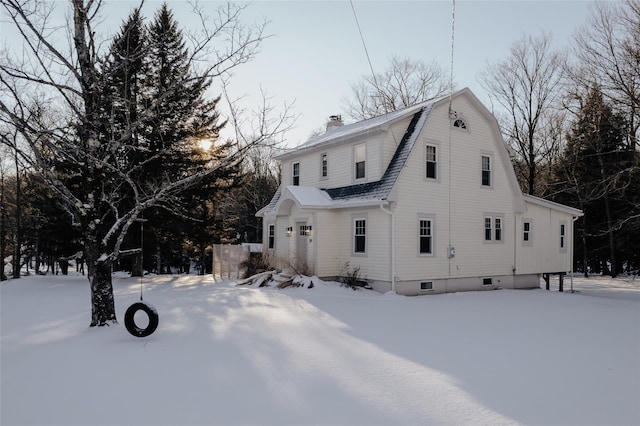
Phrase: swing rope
(141, 253)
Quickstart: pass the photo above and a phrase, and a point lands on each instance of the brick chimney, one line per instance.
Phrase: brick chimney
(334, 121)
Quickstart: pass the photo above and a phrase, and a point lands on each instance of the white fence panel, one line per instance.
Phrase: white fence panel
(227, 259)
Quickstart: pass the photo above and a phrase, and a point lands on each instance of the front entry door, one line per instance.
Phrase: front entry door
(302, 241)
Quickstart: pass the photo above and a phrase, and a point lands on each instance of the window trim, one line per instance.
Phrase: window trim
(529, 233)
(324, 166)
(354, 234)
(295, 177)
(356, 162)
(562, 231)
(271, 236)
(493, 219)
(426, 286)
(435, 162)
(431, 236)
(482, 170)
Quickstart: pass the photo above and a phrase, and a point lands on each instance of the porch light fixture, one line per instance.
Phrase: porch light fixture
(289, 231)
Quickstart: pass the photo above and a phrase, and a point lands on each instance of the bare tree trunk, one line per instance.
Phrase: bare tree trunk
(584, 247)
(17, 258)
(612, 242)
(158, 257)
(136, 265)
(103, 310)
(2, 227)
(607, 210)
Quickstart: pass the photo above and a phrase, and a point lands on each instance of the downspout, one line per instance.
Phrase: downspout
(393, 247)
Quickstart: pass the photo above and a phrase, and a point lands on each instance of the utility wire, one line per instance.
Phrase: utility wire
(453, 28)
(453, 21)
(373, 74)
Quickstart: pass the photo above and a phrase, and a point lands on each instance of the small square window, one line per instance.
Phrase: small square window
(487, 281)
(426, 285)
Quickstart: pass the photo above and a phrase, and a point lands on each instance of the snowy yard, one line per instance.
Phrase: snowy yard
(227, 355)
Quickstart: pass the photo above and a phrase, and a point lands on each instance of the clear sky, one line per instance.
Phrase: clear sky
(316, 51)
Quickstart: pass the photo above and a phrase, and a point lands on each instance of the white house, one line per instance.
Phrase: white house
(422, 200)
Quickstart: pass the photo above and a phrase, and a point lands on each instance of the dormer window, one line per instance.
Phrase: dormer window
(459, 123)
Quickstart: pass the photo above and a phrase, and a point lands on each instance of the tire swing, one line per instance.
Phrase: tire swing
(147, 308)
(130, 323)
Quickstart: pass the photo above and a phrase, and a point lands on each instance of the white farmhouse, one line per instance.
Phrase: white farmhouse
(422, 200)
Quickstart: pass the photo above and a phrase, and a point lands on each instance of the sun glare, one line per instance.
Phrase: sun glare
(205, 144)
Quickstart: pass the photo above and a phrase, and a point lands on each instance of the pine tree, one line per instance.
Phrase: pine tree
(594, 175)
(180, 118)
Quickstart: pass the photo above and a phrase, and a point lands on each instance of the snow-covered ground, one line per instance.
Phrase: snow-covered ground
(229, 355)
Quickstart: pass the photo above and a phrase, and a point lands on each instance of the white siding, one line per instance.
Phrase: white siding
(326, 243)
(458, 188)
(543, 254)
(375, 264)
(456, 202)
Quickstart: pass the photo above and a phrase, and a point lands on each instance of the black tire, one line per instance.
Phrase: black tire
(130, 323)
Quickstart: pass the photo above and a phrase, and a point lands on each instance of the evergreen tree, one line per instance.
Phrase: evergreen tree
(181, 118)
(595, 175)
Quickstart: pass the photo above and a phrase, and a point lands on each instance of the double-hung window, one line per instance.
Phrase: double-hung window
(359, 235)
(360, 154)
(486, 170)
(324, 165)
(295, 173)
(272, 236)
(426, 236)
(493, 228)
(431, 162)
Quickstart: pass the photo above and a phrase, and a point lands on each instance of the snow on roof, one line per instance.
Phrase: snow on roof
(309, 196)
(371, 125)
(370, 193)
(552, 205)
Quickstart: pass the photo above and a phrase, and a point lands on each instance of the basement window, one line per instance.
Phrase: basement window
(426, 285)
(487, 281)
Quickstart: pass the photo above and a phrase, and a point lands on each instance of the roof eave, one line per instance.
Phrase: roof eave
(553, 205)
(331, 142)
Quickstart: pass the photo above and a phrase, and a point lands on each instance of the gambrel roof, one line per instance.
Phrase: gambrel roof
(378, 192)
(380, 189)
(359, 194)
